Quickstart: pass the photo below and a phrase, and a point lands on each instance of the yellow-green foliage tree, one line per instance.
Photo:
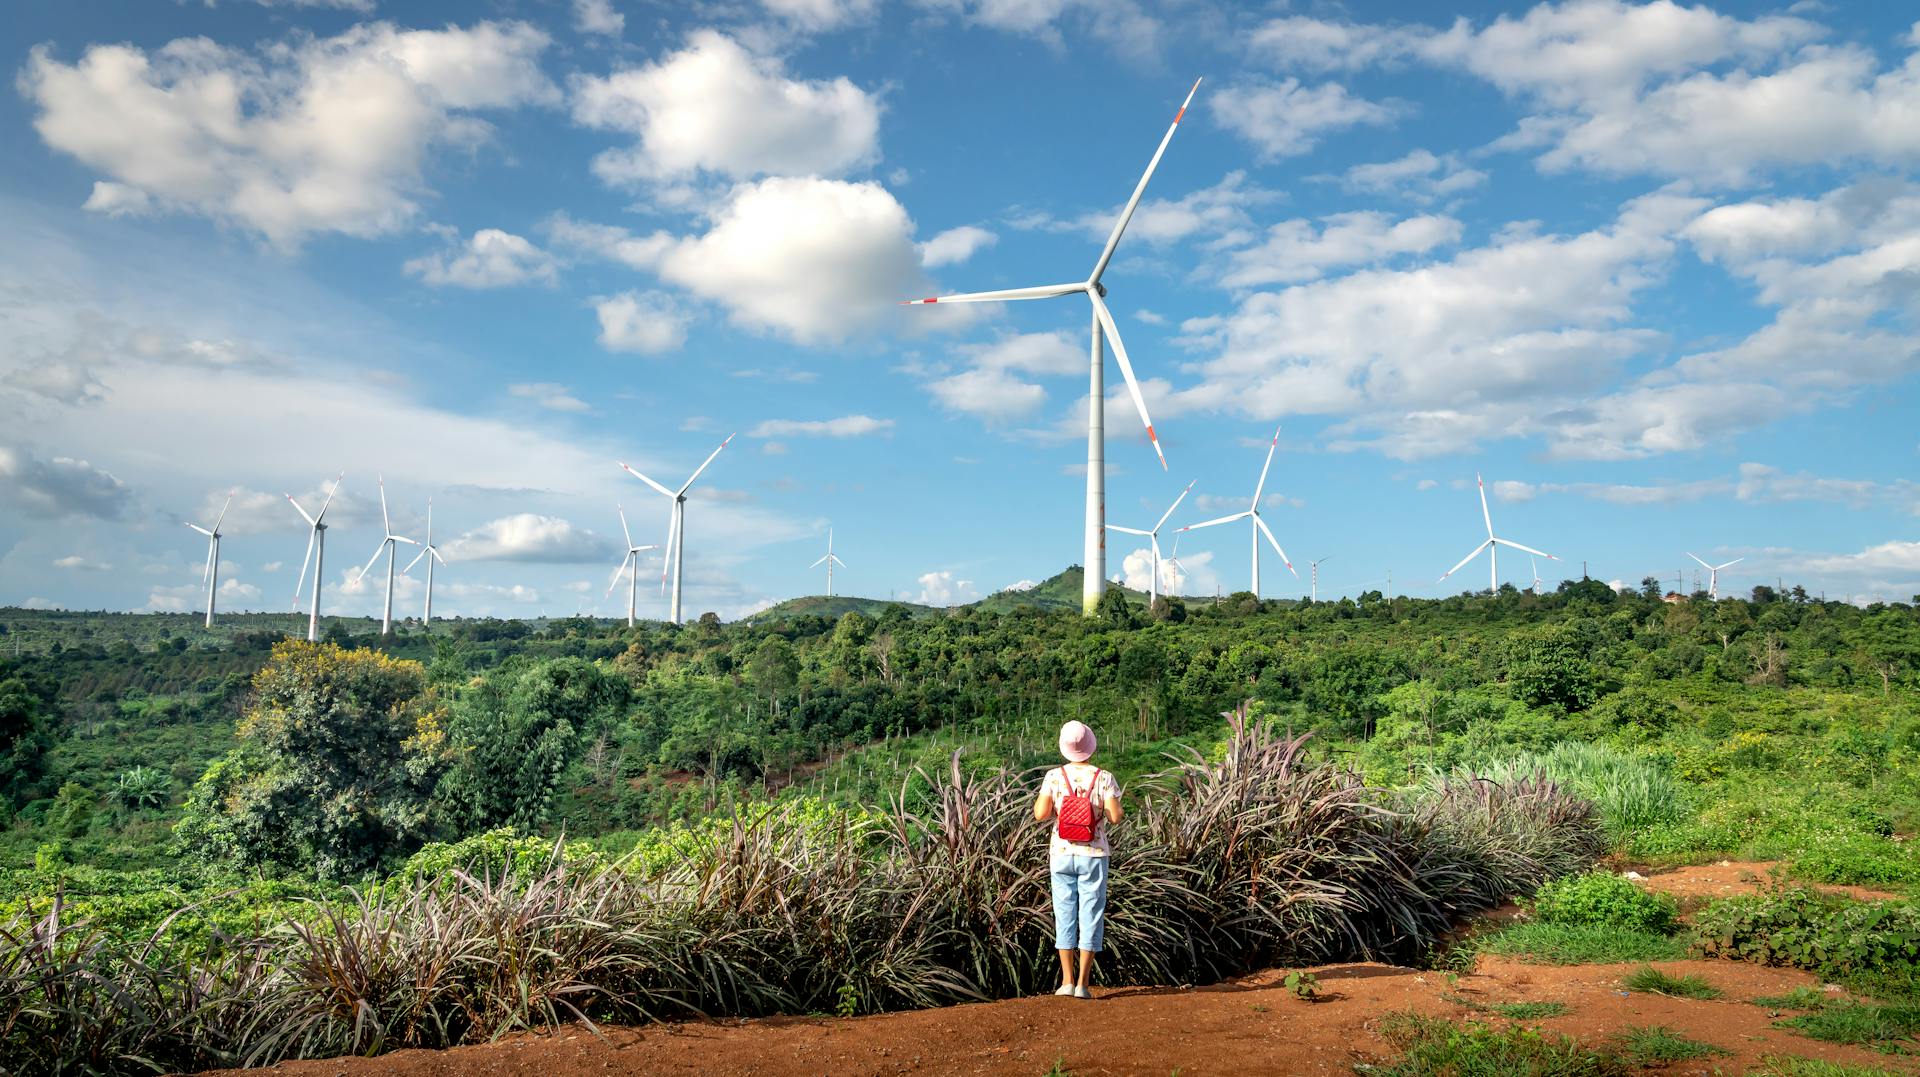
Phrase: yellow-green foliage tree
(338, 751)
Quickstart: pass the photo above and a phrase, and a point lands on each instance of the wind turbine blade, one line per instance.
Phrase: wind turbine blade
(386, 525)
(298, 509)
(664, 492)
(623, 526)
(619, 572)
(1528, 549)
(1176, 504)
(323, 505)
(304, 562)
(836, 560)
(822, 561)
(666, 563)
(424, 551)
(1120, 226)
(1484, 514)
(704, 463)
(1129, 530)
(222, 518)
(200, 529)
(1275, 543)
(1044, 291)
(1126, 371)
(1241, 515)
(405, 539)
(1464, 560)
(1262, 484)
(1729, 564)
(377, 551)
(206, 569)
(435, 551)
(429, 521)
(1699, 562)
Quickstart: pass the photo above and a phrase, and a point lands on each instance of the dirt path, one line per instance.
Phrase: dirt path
(1251, 1026)
(1708, 882)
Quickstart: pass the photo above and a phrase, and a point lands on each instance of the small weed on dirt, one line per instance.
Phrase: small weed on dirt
(1800, 998)
(1304, 986)
(1659, 1044)
(1432, 1046)
(1518, 1011)
(1569, 944)
(1059, 1069)
(1652, 981)
(1795, 1066)
(1859, 1023)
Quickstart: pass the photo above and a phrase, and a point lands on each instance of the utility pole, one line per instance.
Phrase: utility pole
(1583, 571)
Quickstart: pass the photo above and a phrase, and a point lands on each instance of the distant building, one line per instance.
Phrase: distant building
(1673, 596)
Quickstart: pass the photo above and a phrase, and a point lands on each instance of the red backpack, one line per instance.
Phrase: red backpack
(1076, 816)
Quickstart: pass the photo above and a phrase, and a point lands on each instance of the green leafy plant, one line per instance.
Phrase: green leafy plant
(847, 1002)
(1802, 928)
(1602, 899)
(1304, 986)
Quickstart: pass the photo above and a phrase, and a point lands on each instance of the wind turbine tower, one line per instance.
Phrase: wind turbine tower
(316, 556)
(1094, 578)
(1153, 540)
(1259, 526)
(211, 574)
(1313, 595)
(829, 560)
(1713, 575)
(676, 545)
(1492, 546)
(386, 546)
(432, 553)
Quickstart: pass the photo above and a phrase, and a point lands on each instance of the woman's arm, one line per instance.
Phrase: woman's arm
(1113, 801)
(1043, 804)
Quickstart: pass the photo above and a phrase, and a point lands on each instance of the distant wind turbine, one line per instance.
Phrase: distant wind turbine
(676, 539)
(1095, 570)
(1536, 573)
(1259, 525)
(1314, 594)
(386, 546)
(1492, 545)
(211, 574)
(829, 560)
(316, 556)
(432, 553)
(630, 562)
(1713, 575)
(1153, 540)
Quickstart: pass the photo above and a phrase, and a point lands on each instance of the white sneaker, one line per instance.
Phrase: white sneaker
(1064, 989)
(1081, 992)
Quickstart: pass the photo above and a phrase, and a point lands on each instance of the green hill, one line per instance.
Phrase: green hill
(1057, 592)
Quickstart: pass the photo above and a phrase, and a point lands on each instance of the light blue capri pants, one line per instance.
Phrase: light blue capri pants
(1079, 901)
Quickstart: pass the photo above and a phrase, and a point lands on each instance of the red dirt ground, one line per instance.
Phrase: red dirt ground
(1250, 1026)
(1705, 882)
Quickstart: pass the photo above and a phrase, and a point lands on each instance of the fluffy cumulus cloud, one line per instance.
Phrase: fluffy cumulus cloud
(1122, 25)
(77, 563)
(714, 107)
(822, 14)
(1220, 215)
(59, 486)
(549, 395)
(646, 322)
(598, 17)
(1420, 176)
(846, 426)
(955, 245)
(530, 537)
(1288, 118)
(1297, 250)
(995, 383)
(942, 588)
(491, 258)
(302, 136)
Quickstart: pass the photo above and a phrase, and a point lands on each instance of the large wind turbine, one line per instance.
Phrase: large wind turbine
(211, 574)
(676, 540)
(316, 556)
(1259, 526)
(1153, 539)
(432, 553)
(1713, 576)
(829, 560)
(1492, 546)
(386, 547)
(630, 561)
(1094, 579)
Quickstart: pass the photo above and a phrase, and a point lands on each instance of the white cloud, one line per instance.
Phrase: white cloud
(1421, 176)
(311, 135)
(942, 589)
(991, 387)
(118, 200)
(846, 426)
(549, 395)
(1320, 45)
(822, 14)
(715, 107)
(955, 245)
(490, 259)
(1295, 250)
(77, 563)
(990, 394)
(1286, 118)
(60, 486)
(1122, 25)
(35, 602)
(645, 322)
(1022, 585)
(598, 17)
(1889, 557)
(529, 536)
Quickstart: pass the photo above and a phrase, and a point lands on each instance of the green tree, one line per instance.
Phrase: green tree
(511, 738)
(25, 738)
(337, 753)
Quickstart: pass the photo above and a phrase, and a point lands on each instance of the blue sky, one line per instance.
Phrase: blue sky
(1648, 267)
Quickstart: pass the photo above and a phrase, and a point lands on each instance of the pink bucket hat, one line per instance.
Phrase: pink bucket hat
(1077, 742)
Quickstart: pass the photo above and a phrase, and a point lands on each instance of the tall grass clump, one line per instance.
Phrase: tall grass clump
(1265, 857)
(1635, 795)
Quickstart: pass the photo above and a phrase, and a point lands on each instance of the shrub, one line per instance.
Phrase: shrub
(1560, 944)
(1602, 899)
(1805, 929)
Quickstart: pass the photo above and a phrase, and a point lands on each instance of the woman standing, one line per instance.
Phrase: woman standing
(1083, 800)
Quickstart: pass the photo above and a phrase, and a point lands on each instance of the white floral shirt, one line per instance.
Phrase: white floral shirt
(1056, 787)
